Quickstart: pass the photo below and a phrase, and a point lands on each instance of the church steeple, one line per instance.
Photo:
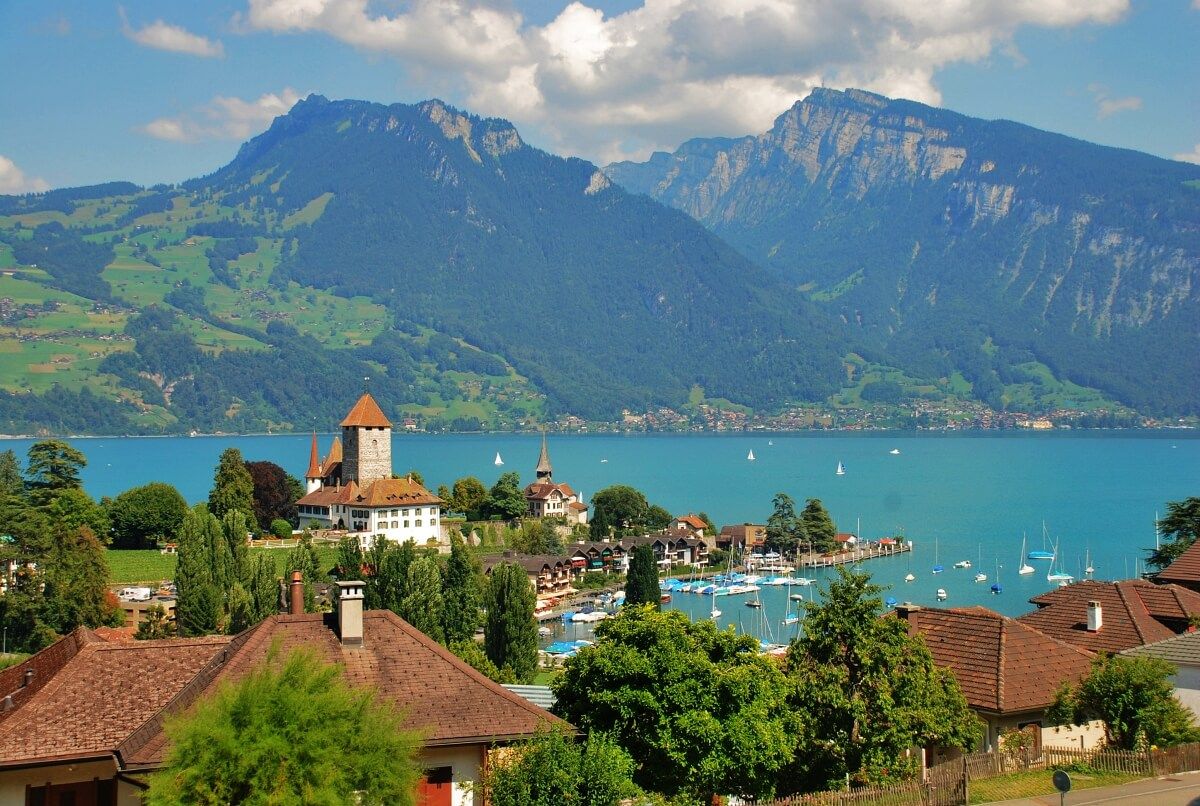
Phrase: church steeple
(544, 471)
(312, 477)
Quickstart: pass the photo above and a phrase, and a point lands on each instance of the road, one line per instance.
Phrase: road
(1173, 790)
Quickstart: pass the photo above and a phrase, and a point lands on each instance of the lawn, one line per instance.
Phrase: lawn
(1038, 782)
(130, 566)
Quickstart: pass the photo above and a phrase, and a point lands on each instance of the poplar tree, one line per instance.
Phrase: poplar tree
(233, 488)
(197, 601)
(510, 637)
(303, 558)
(422, 605)
(462, 594)
(264, 587)
(233, 527)
(641, 586)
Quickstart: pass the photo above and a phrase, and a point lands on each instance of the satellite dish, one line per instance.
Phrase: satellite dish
(1062, 781)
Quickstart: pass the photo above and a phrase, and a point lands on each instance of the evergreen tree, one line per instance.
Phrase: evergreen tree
(462, 593)
(422, 605)
(818, 525)
(641, 586)
(1179, 529)
(350, 559)
(52, 466)
(197, 600)
(155, 624)
(506, 499)
(233, 488)
(12, 483)
(510, 637)
(392, 576)
(220, 556)
(233, 528)
(76, 583)
(373, 558)
(785, 531)
(264, 589)
(303, 558)
(241, 609)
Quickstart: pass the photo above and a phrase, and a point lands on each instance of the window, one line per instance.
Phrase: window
(406, 524)
(433, 521)
(418, 521)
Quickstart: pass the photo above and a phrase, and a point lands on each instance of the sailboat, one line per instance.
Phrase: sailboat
(841, 469)
(750, 456)
(996, 589)
(1061, 577)
(894, 451)
(716, 614)
(1025, 568)
(937, 569)
(1087, 568)
(498, 461)
(1043, 554)
(980, 576)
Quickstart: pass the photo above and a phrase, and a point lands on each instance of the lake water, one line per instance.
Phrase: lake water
(970, 495)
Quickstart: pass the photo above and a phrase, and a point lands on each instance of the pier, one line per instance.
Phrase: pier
(870, 551)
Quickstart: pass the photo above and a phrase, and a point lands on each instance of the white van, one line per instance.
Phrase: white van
(135, 594)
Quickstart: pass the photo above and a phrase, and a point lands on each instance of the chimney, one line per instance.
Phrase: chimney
(296, 594)
(1095, 617)
(350, 612)
(28, 678)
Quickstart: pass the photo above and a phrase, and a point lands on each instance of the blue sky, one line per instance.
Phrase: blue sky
(163, 91)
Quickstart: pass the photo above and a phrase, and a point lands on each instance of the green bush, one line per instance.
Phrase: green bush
(281, 528)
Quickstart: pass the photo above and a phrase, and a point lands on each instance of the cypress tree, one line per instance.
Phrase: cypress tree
(641, 586)
(422, 604)
(220, 557)
(265, 587)
(462, 596)
(197, 603)
(304, 559)
(510, 638)
(233, 526)
(233, 488)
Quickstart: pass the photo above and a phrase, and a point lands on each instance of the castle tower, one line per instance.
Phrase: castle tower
(312, 477)
(544, 472)
(366, 443)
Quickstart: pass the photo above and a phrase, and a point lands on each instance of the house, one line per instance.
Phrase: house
(1185, 571)
(544, 498)
(354, 488)
(1182, 652)
(86, 716)
(745, 536)
(1113, 616)
(597, 556)
(550, 576)
(1008, 671)
(689, 525)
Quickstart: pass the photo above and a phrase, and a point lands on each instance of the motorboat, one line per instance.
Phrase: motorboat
(941, 594)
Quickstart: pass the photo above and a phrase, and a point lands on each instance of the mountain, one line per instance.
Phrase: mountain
(986, 248)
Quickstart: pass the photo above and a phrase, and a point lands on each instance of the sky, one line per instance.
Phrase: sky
(151, 92)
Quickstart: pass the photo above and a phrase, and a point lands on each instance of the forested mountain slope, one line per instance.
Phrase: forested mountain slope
(963, 244)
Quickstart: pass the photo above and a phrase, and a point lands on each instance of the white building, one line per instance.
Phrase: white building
(544, 498)
(353, 489)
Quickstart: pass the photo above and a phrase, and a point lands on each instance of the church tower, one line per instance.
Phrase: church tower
(312, 478)
(366, 443)
(544, 472)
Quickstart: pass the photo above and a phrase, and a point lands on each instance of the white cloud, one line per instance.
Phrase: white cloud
(1107, 106)
(162, 35)
(13, 180)
(223, 118)
(609, 87)
(1194, 154)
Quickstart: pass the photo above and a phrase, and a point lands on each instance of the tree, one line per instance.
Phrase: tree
(866, 691)
(641, 585)
(462, 593)
(422, 605)
(232, 486)
(350, 558)
(264, 586)
(506, 500)
(1135, 699)
(536, 536)
(785, 532)
(470, 652)
(552, 769)
(657, 518)
(303, 558)
(622, 507)
(72, 508)
(1180, 527)
(76, 583)
(52, 466)
(291, 731)
(281, 528)
(141, 517)
(155, 624)
(700, 710)
(235, 531)
(274, 494)
(241, 609)
(197, 598)
(391, 574)
(818, 526)
(12, 483)
(710, 528)
(469, 497)
(510, 636)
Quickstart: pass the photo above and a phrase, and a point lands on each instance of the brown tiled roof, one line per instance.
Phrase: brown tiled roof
(393, 493)
(541, 490)
(1133, 612)
(334, 457)
(88, 705)
(323, 496)
(577, 506)
(1002, 665)
(366, 414)
(692, 521)
(314, 460)
(445, 699)
(1186, 567)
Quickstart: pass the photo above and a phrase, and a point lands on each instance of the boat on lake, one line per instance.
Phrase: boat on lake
(941, 594)
(841, 470)
(963, 564)
(1025, 568)
(498, 461)
(1043, 553)
(981, 577)
(1059, 576)
(750, 456)
(894, 451)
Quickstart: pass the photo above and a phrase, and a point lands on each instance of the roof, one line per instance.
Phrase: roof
(541, 696)
(1001, 665)
(366, 414)
(403, 492)
(323, 496)
(577, 506)
(532, 563)
(1186, 567)
(334, 457)
(543, 466)
(693, 521)
(87, 705)
(541, 490)
(1133, 612)
(1182, 650)
(314, 460)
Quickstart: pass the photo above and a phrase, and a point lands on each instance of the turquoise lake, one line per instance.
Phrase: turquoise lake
(971, 495)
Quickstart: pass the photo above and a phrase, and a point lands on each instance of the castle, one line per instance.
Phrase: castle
(354, 488)
(545, 498)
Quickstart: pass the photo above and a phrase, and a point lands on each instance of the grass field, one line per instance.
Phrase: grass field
(134, 566)
(1038, 782)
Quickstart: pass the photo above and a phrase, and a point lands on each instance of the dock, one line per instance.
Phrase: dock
(870, 551)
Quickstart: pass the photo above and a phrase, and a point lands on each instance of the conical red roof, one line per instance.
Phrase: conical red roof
(314, 461)
(366, 414)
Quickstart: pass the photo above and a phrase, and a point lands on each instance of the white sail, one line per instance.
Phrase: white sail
(498, 461)
(1025, 568)
(750, 456)
(841, 469)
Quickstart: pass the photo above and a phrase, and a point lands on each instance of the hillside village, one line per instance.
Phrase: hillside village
(84, 717)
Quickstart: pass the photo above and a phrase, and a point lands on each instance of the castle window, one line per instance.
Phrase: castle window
(433, 521)
(406, 524)
(395, 524)
(418, 521)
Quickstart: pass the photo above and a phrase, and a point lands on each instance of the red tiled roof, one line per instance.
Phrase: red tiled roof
(692, 521)
(1002, 665)
(541, 490)
(102, 693)
(444, 698)
(1133, 612)
(323, 496)
(393, 493)
(314, 460)
(1186, 567)
(366, 414)
(334, 457)
(576, 506)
